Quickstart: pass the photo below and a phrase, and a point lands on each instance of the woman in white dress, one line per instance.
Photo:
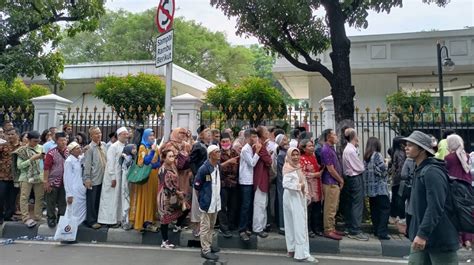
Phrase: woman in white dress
(73, 185)
(295, 200)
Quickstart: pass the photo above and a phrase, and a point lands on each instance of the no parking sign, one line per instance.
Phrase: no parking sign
(165, 15)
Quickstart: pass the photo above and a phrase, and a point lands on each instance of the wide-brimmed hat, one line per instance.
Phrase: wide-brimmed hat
(422, 140)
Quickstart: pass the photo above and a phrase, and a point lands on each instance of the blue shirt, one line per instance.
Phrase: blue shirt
(48, 146)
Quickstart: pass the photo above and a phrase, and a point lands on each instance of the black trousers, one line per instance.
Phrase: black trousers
(379, 213)
(315, 217)
(228, 215)
(179, 222)
(397, 205)
(8, 194)
(55, 198)
(92, 204)
(354, 193)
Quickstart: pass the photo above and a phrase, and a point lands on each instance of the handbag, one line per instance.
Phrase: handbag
(183, 162)
(67, 227)
(138, 174)
(175, 202)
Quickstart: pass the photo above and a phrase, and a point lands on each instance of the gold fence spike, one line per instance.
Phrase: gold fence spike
(230, 108)
(259, 108)
(422, 109)
(410, 109)
(158, 108)
(367, 109)
(139, 109)
(269, 108)
(250, 108)
(254, 116)
(240, 108)
(221, 108)
(148, 108)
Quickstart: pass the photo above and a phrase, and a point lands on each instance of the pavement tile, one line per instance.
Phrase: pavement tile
(395, 248)
(18, 229)
(350, 246)
(118, 235)
(87, 234)
(150, 238)
(324, 245)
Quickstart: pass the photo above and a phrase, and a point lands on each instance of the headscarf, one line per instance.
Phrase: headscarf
(456, 144)
(289, 166)
(127, 151)
(279, 139)
(145, 136)
(175, 135)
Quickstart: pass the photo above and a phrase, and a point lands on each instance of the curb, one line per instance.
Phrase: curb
(397, 247)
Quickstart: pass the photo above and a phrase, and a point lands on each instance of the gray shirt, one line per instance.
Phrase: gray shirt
(94, 163)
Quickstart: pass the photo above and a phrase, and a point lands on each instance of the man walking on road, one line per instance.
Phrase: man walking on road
(434, 237)
(354, 186)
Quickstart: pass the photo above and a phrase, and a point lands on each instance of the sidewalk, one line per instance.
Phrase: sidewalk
(398, 246)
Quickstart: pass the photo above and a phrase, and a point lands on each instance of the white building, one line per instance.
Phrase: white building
(80, 80)
(381, 64)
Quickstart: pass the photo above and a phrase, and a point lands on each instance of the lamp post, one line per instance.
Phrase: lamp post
(448, 65)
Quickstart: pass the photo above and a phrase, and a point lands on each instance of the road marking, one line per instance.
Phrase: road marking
(227, 251)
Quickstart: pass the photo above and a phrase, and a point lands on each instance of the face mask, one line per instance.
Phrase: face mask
(226, 146)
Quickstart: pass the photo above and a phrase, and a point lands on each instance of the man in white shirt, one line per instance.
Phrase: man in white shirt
(248, 159)
(208, 187)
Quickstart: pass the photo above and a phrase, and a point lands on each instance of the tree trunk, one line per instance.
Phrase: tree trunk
(342, 90)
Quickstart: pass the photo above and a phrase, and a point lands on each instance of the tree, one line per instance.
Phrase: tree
(253, 99)
(294, 30)
(131, 36)
(18, 94)
(31, 32)
(133, 97)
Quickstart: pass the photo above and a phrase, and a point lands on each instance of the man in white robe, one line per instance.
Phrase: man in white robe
(75, 190)
(110, 208)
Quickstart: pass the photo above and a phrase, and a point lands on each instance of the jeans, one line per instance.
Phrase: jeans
(354, 192)
(315, 217)
(246, 211)
(229, 208)
(92, 202)
(432, 258)
(379, 213)
(56, 197)
(7, 200)
(397, 205)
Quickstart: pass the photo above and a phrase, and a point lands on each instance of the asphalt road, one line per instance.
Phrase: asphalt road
(51, 253)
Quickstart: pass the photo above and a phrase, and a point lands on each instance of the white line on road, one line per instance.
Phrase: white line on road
(227, 251)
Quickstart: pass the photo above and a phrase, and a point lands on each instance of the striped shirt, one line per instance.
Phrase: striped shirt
(54, 163)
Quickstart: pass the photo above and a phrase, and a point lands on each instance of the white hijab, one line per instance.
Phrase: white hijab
(456, 144)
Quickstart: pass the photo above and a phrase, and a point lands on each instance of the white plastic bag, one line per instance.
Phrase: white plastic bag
(67, 227)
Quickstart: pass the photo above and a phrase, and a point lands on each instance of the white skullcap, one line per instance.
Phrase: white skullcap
(121, 130)
(211, 149)
(72, 145)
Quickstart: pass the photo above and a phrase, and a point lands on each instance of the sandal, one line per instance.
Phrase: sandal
(30, 223)
(152, 228)
(311, 234)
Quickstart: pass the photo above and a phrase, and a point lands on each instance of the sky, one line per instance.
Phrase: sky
(412, 17)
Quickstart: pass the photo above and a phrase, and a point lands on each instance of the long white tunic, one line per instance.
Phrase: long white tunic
(110, 208)
(295, 215)
(74, 188)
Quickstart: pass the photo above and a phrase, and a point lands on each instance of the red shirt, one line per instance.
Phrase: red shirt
(54, 162)
(261, 171)
(309, 164)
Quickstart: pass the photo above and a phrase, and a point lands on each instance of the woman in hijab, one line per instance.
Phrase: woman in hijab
(143, 196)
(458, 165)
(181, 148)
(129, 154)
(295, 198)
(282, 141)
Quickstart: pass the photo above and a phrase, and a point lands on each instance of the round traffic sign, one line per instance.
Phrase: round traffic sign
(165, 15)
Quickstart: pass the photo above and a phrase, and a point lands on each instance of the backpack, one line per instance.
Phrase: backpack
(460, 203)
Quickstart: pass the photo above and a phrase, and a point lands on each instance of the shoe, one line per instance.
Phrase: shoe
(210, 256)
(385, 237)
(96, 226)
(177, 229)
(339, 233)
(311, 234)
(309, 259)
(244, 236)
(1, 221)
(215, 249)
(262, 234)
(359, 236)
(114, 226)
(290, 254)
(69, 242)
(333, 235)
(248, 233)
(281, 232)
(196, 233)
(51, 223)
(167, 244)
(226, 233)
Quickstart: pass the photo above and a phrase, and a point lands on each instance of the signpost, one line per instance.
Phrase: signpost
(164, 54)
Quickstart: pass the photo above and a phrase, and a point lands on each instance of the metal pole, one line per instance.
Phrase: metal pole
(441, 88)
(169, 78)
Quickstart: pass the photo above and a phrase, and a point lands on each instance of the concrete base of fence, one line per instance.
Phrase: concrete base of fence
(397, 247)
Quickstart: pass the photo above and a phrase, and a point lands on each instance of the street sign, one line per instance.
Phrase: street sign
(165, 15)
(164, 49)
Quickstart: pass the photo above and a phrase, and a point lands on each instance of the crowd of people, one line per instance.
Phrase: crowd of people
(245, 183)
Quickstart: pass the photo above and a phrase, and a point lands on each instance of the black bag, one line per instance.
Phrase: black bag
(459, 204)
(404, 191)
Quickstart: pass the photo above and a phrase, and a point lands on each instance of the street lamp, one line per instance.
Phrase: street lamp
(447, 65)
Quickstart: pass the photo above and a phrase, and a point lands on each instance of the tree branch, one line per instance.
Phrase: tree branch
(354, 5)
(295, 45)
(314, 67)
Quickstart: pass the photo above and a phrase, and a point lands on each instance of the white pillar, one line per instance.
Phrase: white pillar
(48, 111)
(186, 108)
(328, 119)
